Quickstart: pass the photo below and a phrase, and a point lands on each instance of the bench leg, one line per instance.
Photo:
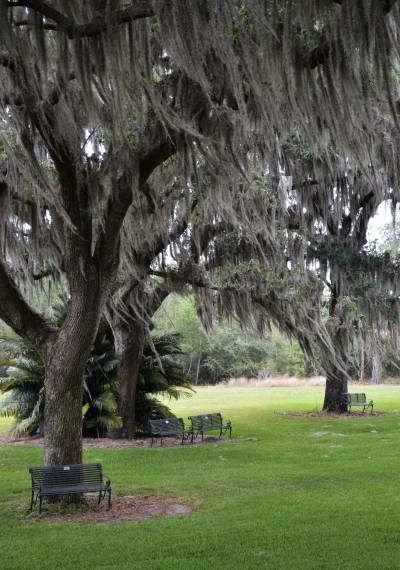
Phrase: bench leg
(98, 502)
(109, 498)
(40, 503)
(230, 432)
(152, 441)
(32, 499)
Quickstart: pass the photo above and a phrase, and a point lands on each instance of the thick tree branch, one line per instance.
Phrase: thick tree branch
(151, 157)
(16, 312)
(140, 9)
(157, 297)
(187, 277)
(161, 147)
(163, 240)
(45, 10)
(107, 247)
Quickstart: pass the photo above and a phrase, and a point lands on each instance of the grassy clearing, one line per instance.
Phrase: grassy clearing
(309, 492)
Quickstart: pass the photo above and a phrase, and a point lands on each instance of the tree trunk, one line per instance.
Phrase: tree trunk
(376, 375)
(65, 360)
(336, 385)
(362, 361)
(63, 414)
(129, 341)
(198, 369)
(338, 366)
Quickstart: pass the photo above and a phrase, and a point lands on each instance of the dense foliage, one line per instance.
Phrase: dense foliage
(227, 351)
(22, 384)
(161, 374)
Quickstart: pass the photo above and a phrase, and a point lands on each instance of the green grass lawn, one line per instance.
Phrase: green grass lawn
(308, 492)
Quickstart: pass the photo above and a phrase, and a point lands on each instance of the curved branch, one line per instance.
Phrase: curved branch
(140, 9)
(151, 156)
(45, 10)
(20, 316)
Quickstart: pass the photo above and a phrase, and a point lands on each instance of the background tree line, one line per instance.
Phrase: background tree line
(227, 351)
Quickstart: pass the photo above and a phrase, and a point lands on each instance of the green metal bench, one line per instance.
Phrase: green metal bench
(66, 480)
(169, 427)
(357, 400)
(209, 422)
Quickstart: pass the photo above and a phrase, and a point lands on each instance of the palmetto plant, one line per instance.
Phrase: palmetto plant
(23, 387)
(100, 381)
(159, 375)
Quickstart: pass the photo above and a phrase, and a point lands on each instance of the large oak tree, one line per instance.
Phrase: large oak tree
(96, 95)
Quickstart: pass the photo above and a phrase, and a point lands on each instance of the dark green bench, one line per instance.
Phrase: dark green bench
(169, 427)
(209, 422)
(357, 400)
(68, 480)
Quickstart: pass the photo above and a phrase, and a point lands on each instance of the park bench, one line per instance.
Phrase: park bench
(169, 427)
(357, 400)
(209, 422)
(68, 480)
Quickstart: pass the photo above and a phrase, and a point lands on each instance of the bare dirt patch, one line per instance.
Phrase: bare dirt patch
(124, 508)
(329, 415)
(105, 442)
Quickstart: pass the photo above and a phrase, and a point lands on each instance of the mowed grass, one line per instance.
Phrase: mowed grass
(302, 492)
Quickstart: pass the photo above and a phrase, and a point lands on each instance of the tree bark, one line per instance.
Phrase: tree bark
(338, 366)
(336, 385)
(129, 343)
(376, 375)
(362, 361)
(65, 363)
(63, 414)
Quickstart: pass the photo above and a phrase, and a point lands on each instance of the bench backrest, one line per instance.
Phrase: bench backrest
(205, 421)
(62, 475)
(166, 425)
(356, 398)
